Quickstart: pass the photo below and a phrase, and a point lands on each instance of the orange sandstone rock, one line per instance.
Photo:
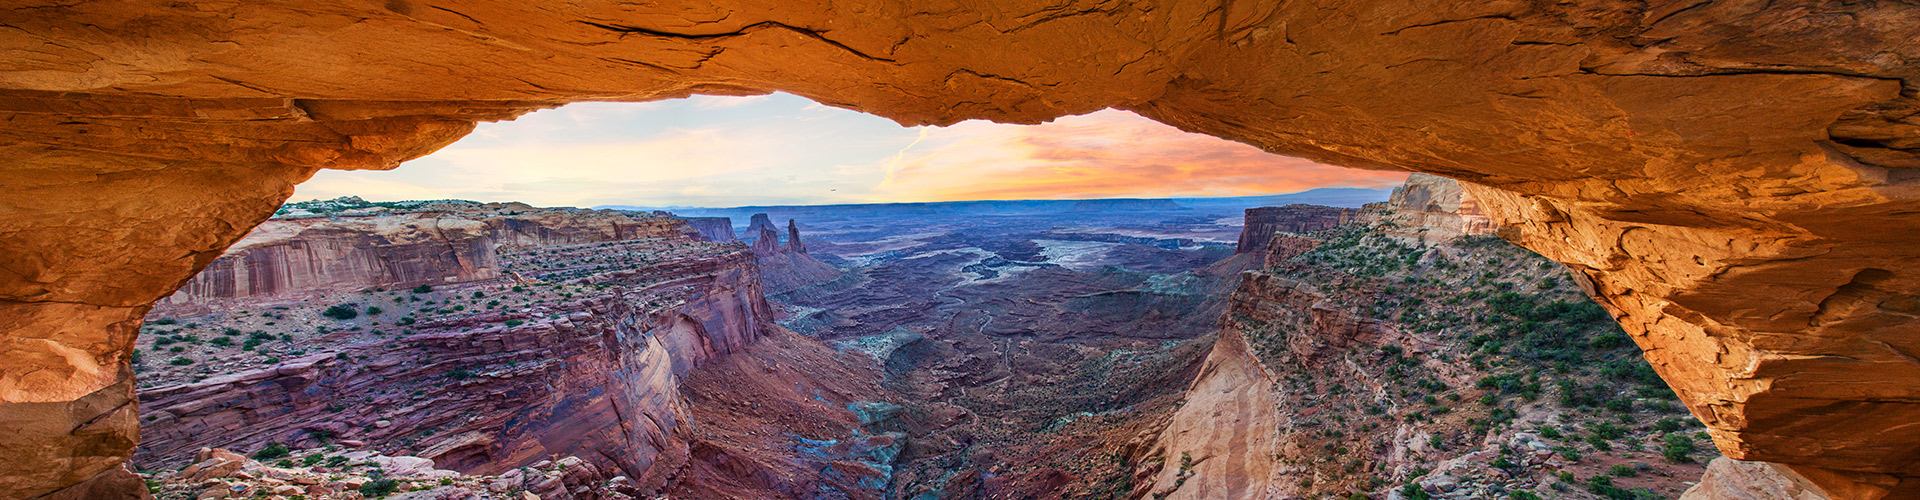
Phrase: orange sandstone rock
(1735, 178)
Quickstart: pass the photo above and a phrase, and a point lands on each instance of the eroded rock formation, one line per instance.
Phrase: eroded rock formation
(485, 392)
(1735, 178)
(446, 242)
(1263, 222)
(785, 266)
(1437, 208)
(718, 229)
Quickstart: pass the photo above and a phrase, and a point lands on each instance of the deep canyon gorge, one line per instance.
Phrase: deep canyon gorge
(1080, 349)
(1728, 180)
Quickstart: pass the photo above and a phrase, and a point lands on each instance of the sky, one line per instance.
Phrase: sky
(780, 149)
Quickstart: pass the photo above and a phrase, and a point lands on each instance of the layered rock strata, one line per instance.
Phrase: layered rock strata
(1262, 223)
(1735, 178)
(446, 242)
(716, 229)
(484, 393)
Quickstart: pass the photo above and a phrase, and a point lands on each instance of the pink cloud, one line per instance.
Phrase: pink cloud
(1102, 155)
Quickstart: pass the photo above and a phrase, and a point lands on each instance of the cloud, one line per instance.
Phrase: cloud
(1104, 154)
(783, 149)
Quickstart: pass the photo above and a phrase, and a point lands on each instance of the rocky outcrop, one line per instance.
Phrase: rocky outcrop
(1439, 206)
(715, 229)
(1262, 223)
(1735, 178)
(793, 238)
(758, 224)
(1220, 444)
(1729, 479)
(785, 266)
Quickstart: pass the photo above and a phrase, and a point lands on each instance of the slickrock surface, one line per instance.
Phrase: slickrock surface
(1735, 178)
(1729, 479)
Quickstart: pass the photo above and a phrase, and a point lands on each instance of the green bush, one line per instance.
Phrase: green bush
(181, 361)
(1678, 449)
(380, 487)
(271, 451)
(374, 310)
(423, 289)
(341, 312)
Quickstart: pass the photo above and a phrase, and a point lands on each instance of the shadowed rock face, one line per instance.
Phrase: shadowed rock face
(1735, 178)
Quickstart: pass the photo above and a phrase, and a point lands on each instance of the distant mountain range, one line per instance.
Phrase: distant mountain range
(1333, 197)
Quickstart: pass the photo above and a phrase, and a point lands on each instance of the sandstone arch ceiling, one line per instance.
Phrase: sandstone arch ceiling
(1737, 178)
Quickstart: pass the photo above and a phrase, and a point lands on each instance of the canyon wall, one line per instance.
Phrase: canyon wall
(596, 378)
(1263, 222)
(447, 242)
(715, 229)
(1735, 178)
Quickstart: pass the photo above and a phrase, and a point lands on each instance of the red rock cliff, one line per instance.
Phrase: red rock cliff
(1262, 222)
(596, 377)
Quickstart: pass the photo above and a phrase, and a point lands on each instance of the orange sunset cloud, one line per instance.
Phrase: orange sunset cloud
(1106, 154)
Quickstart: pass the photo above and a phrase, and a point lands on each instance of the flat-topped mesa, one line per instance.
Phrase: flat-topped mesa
(1263, 222)
(715, 229)
(758, 222)
(430, 243)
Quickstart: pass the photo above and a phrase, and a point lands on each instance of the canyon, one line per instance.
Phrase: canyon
(1730, 179)
(1039, 353)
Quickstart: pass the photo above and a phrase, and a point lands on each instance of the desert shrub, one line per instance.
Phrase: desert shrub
(271, 451)
(374, 310)
(380, 487)
(341, 312)
(423, 289)
(1677, 449)
(181, 361)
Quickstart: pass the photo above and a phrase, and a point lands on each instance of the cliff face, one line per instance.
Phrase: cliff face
(1734, 177)
(1262, 222)
(286, 259)
(1439, 206)
(715, 229)
(597, 377)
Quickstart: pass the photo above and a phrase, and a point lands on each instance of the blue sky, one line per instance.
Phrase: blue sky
(783, 149)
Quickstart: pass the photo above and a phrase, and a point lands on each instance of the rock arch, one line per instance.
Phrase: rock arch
(1736, 178)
